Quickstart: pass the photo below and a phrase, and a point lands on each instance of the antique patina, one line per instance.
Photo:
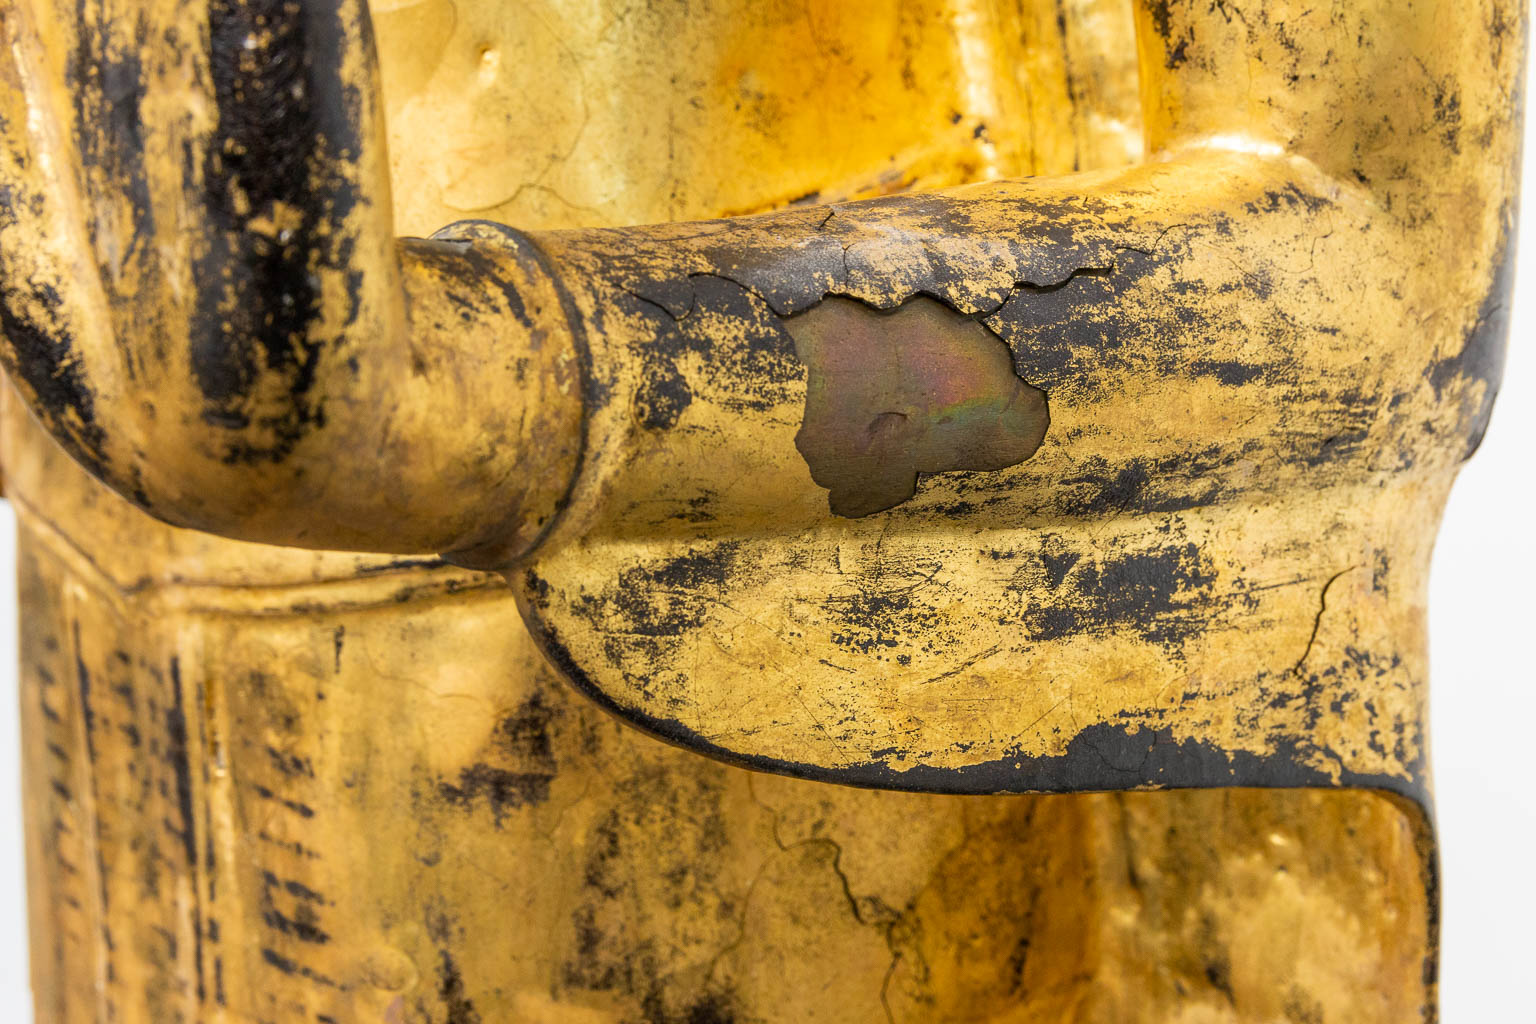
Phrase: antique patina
(1035, 415)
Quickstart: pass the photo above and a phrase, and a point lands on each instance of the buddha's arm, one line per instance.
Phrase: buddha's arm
(203, 300)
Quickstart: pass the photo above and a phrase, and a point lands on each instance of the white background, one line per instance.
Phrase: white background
(1483, 715)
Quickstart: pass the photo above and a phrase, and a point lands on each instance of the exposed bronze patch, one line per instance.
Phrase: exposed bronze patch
(917, 389)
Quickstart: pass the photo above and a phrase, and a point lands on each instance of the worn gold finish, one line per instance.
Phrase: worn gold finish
(1120, 477)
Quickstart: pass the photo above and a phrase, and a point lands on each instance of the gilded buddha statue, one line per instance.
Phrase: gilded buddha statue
(740, 511)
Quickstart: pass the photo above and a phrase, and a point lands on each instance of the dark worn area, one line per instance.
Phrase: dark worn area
(260, 172)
